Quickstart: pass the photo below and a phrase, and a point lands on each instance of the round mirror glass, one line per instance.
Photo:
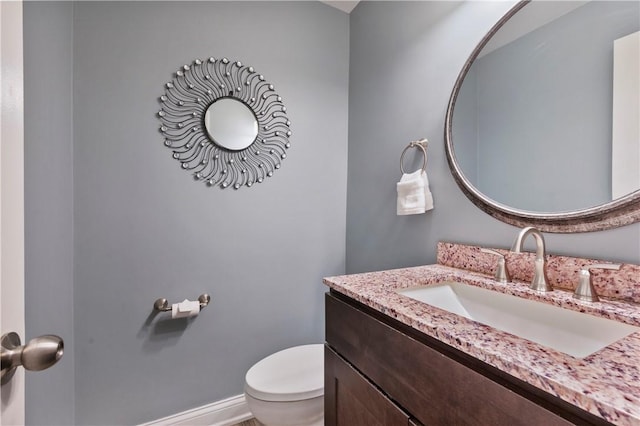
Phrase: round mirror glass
(546, 119)
(231, 124)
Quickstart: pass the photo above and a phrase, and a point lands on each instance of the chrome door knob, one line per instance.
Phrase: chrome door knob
(40, 353)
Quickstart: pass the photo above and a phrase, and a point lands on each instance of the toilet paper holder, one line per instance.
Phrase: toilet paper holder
(163, 305)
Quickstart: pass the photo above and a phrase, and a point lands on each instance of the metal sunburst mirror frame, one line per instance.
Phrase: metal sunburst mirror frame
(187, 98)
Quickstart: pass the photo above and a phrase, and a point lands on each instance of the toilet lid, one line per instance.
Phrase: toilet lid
(292, 374)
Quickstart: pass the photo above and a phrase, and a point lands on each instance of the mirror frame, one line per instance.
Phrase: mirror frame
(619, 212)
(186, 100)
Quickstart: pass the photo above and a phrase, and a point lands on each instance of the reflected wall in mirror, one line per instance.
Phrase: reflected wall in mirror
(224, 123)
(531, 122)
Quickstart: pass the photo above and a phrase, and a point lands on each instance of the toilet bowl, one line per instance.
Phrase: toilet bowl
(287, 387)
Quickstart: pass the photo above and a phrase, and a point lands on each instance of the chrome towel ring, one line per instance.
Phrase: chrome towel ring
(420, 144)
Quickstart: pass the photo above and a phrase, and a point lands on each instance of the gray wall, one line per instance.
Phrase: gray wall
(143, 229)
(405, 57)
(48, 65)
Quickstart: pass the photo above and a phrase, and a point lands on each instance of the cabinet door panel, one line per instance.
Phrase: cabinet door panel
(351, 400)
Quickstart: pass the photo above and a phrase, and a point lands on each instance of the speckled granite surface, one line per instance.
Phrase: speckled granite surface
(605, 383)
(562, 271)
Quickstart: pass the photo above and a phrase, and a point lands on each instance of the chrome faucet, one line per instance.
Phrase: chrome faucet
(540, 281)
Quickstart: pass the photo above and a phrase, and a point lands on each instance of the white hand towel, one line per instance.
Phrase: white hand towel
(414, 196)
(410, 194)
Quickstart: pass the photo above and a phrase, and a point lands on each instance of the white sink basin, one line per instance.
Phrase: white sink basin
(567, 331)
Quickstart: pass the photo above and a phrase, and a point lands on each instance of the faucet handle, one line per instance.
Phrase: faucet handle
(585, 289)
(502, 275)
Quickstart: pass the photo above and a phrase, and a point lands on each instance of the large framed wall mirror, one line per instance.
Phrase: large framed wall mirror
(543, 124)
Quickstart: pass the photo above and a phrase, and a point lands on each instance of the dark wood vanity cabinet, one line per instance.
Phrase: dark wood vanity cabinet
(379, 371)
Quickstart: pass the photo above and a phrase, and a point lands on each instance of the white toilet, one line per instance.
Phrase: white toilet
(287, 388)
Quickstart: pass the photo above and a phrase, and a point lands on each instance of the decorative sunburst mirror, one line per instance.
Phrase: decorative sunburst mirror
(224, 123)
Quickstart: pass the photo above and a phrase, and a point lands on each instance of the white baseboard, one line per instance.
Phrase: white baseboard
(221, 413)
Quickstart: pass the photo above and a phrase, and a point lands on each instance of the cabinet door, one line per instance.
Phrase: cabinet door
(351, 400)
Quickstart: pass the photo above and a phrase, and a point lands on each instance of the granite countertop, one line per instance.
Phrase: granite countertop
(605, 383)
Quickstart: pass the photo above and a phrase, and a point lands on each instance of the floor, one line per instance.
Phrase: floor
(250, 422)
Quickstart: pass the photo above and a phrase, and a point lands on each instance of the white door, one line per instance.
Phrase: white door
(11, 199)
